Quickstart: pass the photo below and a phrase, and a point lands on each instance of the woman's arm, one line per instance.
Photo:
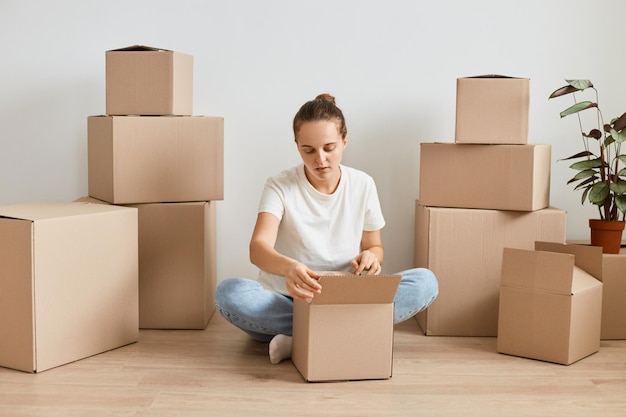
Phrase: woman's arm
(372, 253)
(301, 281)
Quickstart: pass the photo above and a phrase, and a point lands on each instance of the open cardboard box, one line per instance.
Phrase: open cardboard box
(346, 332)
(551, 302)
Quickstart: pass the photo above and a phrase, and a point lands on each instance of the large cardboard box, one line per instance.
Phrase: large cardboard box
(500, 177)
(463, 247)
(142, 80)
(492, 109)
(346, 332)
(68, 282)
(551, 302)
(143, 159)
(177, 265)
(613, 293)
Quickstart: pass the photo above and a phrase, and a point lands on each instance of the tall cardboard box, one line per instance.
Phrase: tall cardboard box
(142, 80)
(346, 332)
(463, 248)
(177, 265)
(551, 302)
(492, 109)
(68, 282)
(143, 159)
(613, 293)
(614, 296)
(499, 177)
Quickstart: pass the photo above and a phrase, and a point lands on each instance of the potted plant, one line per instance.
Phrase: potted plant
(600, 169)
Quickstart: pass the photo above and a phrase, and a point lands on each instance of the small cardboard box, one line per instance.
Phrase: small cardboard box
(144, 159)
(551, 302)
(613, 293)
(463, 247)
(346, 332)
(177, 265)
(499, 177)
(492, 109)
(68, 282)
(141, 80)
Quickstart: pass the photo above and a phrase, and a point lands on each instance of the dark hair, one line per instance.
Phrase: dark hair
(321, 108)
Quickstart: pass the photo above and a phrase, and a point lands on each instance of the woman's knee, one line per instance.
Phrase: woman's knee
(228, 291)
(422, 279)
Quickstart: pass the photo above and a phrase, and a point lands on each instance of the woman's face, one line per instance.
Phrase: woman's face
(321, 147)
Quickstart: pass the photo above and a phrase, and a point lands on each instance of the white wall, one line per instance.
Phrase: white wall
(391, 64)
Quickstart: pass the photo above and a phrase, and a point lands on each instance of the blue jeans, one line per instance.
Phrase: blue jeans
(263, 313)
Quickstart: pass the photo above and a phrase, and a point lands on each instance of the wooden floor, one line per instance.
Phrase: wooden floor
(221, 372)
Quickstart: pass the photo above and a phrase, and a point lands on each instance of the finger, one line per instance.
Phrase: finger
(301, 293)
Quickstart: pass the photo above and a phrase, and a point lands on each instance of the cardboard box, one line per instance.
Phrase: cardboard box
(613, 293)
(177, 265)
(551, 302)
(463, 248)
(346, 332)
(143, 159)
(141, 80)
(492, 109)
(68, 282)
(499, 177)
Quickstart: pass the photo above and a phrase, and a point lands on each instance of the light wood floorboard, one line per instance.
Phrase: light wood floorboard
(221, 372)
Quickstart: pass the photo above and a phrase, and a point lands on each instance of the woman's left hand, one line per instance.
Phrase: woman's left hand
(366, 261)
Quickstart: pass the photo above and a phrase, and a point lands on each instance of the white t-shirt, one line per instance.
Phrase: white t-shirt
(323, 231)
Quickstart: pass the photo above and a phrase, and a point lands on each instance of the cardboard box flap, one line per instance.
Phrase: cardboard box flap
(588, 258)
(492, 76)
(138, 48)
(357, 289)
(43, 211)
(528, 269)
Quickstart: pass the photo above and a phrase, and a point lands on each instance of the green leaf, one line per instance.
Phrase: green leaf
(598, 193)
(580, 84)
(583, 105)
(584, 196)
(618, 188)
(622, 172)
(618, 136)
(584, 174)
(620, 202)
(587, 164)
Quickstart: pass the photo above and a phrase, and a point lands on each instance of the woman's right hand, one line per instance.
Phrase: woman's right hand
(302, 282)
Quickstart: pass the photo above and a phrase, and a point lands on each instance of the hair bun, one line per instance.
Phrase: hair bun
(325, 97)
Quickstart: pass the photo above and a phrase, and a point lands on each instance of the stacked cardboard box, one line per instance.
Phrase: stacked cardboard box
(151, 153)
(487, 191)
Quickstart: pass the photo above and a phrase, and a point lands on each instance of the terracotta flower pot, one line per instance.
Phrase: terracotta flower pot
(607, 234)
